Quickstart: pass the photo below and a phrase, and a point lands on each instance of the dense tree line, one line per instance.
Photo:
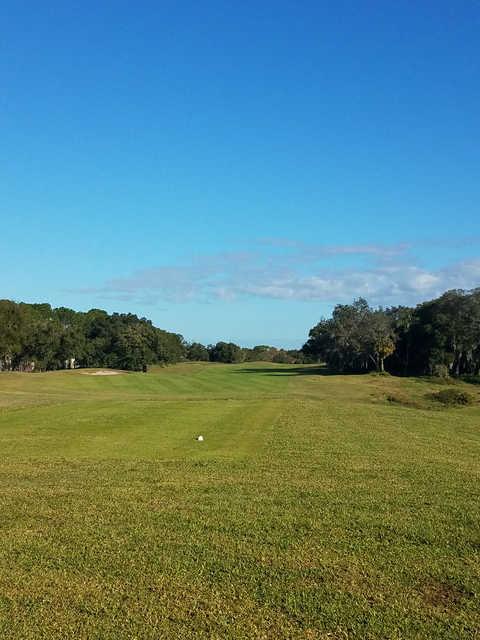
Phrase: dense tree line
(229, 352)
(438, 337)
(37, 337)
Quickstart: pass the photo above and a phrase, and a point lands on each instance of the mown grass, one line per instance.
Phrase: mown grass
(315, 507)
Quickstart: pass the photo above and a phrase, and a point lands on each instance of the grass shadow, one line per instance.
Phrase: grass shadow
(288, 371)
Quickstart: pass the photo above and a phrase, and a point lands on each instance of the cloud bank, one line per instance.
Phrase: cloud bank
(287, 270)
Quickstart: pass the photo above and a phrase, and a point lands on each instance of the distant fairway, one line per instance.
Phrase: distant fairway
(315, 507)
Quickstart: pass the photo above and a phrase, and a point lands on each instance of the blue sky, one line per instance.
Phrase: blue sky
(232, 170)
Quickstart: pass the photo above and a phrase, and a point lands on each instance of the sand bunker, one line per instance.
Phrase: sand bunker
(102, 373)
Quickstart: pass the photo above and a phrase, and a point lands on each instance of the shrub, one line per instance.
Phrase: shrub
(440, 371)
(453, 397)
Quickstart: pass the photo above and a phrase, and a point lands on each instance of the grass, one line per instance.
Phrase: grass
(315, 508)
(453, 397)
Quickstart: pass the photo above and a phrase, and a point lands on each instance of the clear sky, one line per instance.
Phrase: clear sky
(233, 169)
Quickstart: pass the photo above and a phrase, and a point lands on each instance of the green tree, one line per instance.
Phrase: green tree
(197, 351)
(227, 352)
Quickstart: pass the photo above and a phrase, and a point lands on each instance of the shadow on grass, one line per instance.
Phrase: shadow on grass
(287, 371)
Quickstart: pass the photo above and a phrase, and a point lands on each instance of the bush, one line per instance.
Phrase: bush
(440, 371)
(453, 397)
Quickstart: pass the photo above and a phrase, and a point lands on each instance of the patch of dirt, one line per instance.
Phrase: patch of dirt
(442, 595)
(102, 373)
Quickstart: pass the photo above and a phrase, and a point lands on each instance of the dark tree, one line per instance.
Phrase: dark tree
(438, 337)
(37, 337)
(227, 352)
(197, 351)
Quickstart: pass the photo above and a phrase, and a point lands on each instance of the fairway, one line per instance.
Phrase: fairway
(315, 507)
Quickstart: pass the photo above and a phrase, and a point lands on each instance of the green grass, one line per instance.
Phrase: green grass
(317, 507)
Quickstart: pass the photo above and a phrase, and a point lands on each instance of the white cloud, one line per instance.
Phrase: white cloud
(292, 272)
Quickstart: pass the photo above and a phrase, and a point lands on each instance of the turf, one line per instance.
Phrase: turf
(317, 507)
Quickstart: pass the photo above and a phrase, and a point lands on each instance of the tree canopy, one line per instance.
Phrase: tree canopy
(39, 337)
(438, 337)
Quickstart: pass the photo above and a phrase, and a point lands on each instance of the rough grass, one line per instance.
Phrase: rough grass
(314, 508)
(453, 397)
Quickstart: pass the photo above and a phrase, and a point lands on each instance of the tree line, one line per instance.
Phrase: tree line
(229, 352)
(440, 337)
(37, 337)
